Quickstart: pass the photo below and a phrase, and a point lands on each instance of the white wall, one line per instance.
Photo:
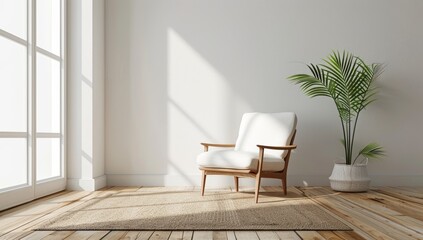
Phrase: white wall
(182, 72)
(85, 92)
(98, 87)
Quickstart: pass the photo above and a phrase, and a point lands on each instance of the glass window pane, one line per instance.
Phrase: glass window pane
(13, 86)
(48, 158)
(48, 94)
(13, 17)
(48, 25)
(13, 162)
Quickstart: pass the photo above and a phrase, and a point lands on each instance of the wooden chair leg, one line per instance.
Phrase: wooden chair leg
(284, 184)
(236, 179)
(258, 179)
(203, 182)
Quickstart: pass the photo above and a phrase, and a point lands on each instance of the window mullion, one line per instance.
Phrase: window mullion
(32, 90)
(63, 86)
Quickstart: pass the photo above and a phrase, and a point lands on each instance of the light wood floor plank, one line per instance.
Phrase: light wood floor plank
(131, 235)
(247, 235)
(321, 198)
(267, 235)
(144, 235)
(85, 235)
(11, 222)
(349, 235)
(37, 235)
(329, 235)
(188, 235)
(202, 235)
(58, 235)
(288, 235)
(400, 194)
(310, 235)
(390, 209)
(378, 217)
(160, 235)
(329, 201)
(16, 235)
(25, 214)
(32, 204)
(415, 191)
(97, 235)
(115, 235)
(395, 202)
(176, 235)
(231, 235)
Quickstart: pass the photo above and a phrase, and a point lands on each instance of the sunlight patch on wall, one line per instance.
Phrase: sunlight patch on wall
(199, 98)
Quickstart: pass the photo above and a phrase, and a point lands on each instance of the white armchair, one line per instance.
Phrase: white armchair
(263, 149)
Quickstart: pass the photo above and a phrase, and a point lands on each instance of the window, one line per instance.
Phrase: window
(48, 84)
(31, 94)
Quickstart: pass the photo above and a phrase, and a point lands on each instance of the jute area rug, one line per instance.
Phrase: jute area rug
(187, 210)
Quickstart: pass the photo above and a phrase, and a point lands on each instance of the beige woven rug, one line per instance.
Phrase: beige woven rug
(187, 210)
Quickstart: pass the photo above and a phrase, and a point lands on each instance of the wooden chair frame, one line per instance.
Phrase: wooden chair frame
(257, 174)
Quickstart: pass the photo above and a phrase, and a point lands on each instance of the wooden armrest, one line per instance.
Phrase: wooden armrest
(218, 145)
(289, 147)
(207, 145)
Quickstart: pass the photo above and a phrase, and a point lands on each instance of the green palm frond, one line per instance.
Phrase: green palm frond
(348, 80)
(371, 150)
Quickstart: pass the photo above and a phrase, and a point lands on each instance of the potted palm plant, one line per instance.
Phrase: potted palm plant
(349, 81)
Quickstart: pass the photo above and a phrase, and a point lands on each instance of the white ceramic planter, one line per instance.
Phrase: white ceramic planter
(349, 178)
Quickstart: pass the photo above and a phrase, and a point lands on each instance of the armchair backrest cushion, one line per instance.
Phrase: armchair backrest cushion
(273, 129)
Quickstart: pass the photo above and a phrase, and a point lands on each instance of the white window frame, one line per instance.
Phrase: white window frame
(16, 195)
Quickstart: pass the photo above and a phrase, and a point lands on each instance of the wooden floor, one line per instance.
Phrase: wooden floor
(383, 213)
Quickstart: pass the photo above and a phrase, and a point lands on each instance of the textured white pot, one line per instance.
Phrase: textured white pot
(349, 178)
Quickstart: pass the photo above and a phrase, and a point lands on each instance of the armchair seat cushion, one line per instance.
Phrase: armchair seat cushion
(233, 159)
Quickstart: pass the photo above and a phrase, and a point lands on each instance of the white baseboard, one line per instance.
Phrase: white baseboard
(90, 184)
(222, 181)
